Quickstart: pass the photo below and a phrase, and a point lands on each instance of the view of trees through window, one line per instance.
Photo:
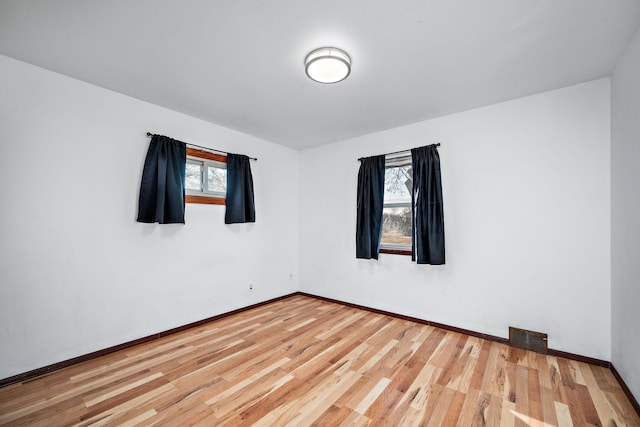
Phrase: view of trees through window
(396, 214)
(194, 176)
(215, 181)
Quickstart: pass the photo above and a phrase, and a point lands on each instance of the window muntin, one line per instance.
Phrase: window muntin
(396, 213)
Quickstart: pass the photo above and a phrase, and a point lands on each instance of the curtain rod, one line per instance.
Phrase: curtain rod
(200, 146)
(398, 152)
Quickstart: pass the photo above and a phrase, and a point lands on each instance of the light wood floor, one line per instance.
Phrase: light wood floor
(303, 361)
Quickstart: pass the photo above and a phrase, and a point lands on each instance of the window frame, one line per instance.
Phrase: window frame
(390, 248)
(206, 159)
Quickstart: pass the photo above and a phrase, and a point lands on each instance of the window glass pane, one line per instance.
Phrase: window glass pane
(216, 179)
(397, 184)
(193, 177)
(396, 226)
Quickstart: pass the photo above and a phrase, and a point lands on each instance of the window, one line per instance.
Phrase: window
(206, 177)
(396, 213)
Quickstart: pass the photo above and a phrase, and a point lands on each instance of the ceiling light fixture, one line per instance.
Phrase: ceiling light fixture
(327, 65)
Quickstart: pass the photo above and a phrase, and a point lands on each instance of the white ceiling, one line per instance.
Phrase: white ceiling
(239, 63)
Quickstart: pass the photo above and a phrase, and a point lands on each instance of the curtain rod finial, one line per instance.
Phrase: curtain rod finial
(149, 134)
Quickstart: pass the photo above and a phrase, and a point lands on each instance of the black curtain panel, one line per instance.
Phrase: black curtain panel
(428, 218)
(162, 188)
(370, 202)
(240, 206)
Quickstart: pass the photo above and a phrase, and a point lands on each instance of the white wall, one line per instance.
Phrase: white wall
(526, 187)
(625, 216)
(77, 273)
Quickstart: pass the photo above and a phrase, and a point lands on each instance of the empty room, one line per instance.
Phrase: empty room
(351, 213)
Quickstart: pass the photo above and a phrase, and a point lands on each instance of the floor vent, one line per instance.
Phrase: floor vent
(529, 340)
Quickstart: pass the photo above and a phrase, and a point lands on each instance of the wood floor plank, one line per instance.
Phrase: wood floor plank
(549, 416)
(455, 407)
(308, 362)
(522, 395)
(364, 405)
(472, 410)
(508, 414)
(563, 415)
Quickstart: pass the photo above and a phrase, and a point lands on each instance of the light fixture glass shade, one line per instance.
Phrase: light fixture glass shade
(327, 65)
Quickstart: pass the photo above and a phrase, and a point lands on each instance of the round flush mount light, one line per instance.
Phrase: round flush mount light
(327, 65)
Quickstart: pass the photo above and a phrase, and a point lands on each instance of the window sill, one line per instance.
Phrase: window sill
(395, 251)
(204, 200)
